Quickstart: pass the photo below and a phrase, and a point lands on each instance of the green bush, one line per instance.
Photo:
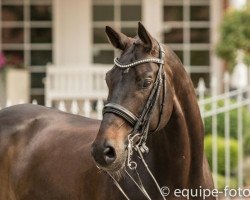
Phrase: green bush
(221, 153)
(247, 144)
(222, 182)
(233, 114)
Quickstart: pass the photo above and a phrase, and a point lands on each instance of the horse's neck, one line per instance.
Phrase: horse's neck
(178, 147)
(186, 99)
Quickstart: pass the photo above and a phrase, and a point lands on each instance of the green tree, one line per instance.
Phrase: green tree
(235, 35)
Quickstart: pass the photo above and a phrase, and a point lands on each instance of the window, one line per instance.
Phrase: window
(199, 35)
(199, 13)
(179, 54)
(103, 13)
(187, 31)
(200, 58)
(173, 13)
(117, 16)
(12, 12)
(174, 35)
(26, 37)
(12, 35)
(196, 77)
(130, 13)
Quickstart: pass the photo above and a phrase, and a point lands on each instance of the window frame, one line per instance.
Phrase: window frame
(116, 23)
(187, 46)
(27, 46)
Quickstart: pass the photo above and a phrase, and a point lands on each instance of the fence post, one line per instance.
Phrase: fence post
(61, 106)
(8, 103)
(87, 108)
(214, 132)
(34, 101)
(248, 92)
(74, 107)
(227, 128)
(99, 108)
(201, 93)
(240, 139)
(48, 102)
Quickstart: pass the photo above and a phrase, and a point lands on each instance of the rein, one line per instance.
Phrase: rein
(138, 136)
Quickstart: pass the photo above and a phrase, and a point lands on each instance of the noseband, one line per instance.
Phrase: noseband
(138, 136)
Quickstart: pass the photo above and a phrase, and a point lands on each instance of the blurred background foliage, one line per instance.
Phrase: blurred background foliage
(233, 117)
(234, 42)
(235, 35)
(221, 144)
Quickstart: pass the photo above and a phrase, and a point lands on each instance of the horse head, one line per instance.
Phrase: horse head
(140, 98)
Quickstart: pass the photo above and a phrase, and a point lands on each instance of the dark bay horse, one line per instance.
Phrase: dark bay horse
(46, 154)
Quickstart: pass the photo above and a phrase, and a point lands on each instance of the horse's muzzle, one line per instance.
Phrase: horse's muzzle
(103, 154)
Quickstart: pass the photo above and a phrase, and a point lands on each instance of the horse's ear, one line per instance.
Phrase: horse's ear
(145, 37)
(118, 40)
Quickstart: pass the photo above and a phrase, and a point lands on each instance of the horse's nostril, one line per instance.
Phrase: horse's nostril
(109, 154)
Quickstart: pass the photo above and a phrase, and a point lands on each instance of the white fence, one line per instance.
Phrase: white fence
(229, 101)
(83, 91)
(84, 86)
(86, 94)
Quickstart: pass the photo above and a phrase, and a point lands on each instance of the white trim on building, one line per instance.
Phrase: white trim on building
(72, 23)
(72, 34)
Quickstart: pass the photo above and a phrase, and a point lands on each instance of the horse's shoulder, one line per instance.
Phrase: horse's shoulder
(23, 113)
(41, 142)
(38, 127)
(29, 121)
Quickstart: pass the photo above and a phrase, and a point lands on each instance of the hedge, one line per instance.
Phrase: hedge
(221, 153)
(222, 182)
(233, 114)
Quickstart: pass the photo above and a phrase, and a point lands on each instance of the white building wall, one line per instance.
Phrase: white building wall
(72, 38)
(73, 31)
(217, 69)
(152, 17)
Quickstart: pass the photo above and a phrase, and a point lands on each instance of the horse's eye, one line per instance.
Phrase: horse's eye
(147, 83)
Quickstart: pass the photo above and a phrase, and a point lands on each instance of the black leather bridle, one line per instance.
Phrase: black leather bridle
(138, 136)
(141, 124)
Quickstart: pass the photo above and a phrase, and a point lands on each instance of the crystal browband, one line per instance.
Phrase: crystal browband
(147, 60)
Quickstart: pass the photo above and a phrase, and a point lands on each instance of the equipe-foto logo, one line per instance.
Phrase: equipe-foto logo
(205, 193)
